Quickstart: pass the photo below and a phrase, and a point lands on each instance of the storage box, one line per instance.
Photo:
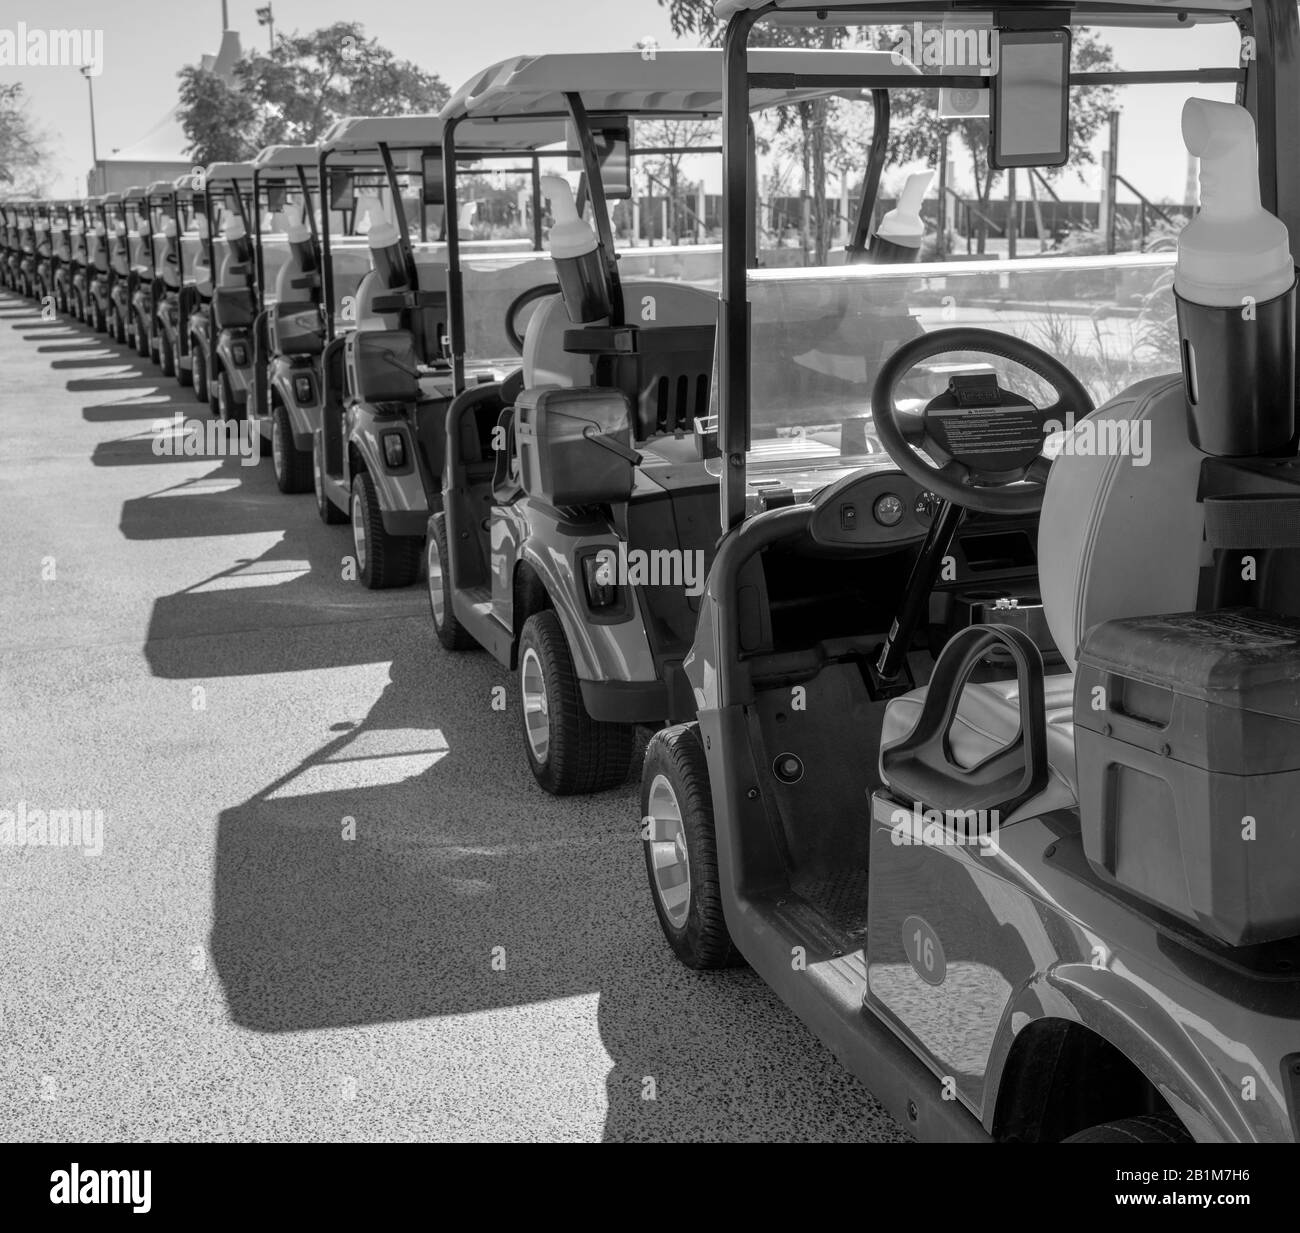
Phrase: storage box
(575, 445)
(1187, 740)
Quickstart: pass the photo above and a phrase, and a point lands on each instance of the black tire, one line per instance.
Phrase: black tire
(227, 409)
(166, 354)
(119, 328)
(676, 773)
(330, 514)
(383, 561)
(580, 754)
(142, 348)
(100, 318)
(451, 633)
(292, 466)
(1151, 1128)
(200, 374)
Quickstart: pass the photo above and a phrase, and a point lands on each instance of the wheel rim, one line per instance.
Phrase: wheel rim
(437, 603)
(537, 718)
(669, 858)
(317, 474)
(277, 447)
(359, 530)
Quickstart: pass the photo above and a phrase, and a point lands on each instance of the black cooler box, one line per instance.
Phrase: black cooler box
(1187, 740)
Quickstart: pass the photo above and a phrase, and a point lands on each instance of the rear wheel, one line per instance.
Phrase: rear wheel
(141, 337)
(200, 374)
(451, 633)
(228, 410)
(330, 514)
(681, 855)
(1151, 1128)
(569, 752)
(119, 328)
(166, 354)
(383, 560)
(293, 467)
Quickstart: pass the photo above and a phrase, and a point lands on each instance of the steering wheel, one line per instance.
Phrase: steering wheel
(986, 443)
(518, 304)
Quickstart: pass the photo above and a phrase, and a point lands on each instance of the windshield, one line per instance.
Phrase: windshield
(1076, 260)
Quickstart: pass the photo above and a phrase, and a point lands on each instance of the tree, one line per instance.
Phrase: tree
(218, 118)
(23, 148)
(916, 131)
(292, 95)
(815, 118)
(664, 171)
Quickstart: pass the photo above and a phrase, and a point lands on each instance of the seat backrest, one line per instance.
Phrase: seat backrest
(1117, 539)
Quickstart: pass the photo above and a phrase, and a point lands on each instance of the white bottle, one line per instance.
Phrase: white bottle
(1234, 248)
(576, 251)
(899, 236)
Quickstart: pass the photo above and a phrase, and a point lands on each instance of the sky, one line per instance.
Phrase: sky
(145, 44)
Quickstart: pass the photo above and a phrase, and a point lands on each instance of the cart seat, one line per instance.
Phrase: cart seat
(1115, 540)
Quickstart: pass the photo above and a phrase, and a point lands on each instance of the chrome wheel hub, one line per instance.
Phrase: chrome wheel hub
(669, 858)
(537, 719)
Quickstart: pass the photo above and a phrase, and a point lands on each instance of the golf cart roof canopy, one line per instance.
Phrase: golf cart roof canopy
(161, 188)
(136, 192)
(530, 91)
(1106, 12)
(230, 171)
(363, 134)
(288, 158)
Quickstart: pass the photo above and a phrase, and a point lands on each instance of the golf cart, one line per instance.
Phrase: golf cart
(57, 276)
(1007, 835)
(579, 494)
(78, 276)
(25, 265)
(289, 333)
(8, 243)
(221, 326)
(99, 270)
(118, 239)
(42, 228)
(378, 451)
(176, 243)
(137, 306)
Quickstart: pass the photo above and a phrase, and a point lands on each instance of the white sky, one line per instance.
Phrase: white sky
(145, 44)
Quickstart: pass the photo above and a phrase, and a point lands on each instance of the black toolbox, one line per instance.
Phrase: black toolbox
(1187, 742)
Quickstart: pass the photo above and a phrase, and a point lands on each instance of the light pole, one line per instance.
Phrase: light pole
(94, 143)
(266, 17)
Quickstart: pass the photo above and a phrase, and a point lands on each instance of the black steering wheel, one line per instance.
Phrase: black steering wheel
(518, 304)
(984, 444)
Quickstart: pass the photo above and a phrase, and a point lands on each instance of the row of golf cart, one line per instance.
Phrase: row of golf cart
(974, 741)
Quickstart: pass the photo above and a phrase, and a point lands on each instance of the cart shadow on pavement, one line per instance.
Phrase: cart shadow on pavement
(411, 869)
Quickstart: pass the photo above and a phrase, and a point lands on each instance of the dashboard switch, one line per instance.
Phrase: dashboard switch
(848, 517)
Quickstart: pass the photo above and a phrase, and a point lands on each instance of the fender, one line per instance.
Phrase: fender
(241, 376)
(402, 497)
(618, 652)
(303, 419)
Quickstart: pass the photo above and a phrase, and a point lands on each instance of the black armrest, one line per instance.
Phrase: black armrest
(396, 301)
(921, 769)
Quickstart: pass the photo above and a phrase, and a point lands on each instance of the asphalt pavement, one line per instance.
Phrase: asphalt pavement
(328, 901)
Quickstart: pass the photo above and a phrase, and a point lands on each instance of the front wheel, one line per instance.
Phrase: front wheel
(681, 853)
(570, 753)
(142, 348)
(293, 467)
(451, 633)
(119, 329)
(383, 560)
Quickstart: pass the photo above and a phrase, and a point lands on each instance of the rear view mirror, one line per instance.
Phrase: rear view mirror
(1029, 114)
(613, 142)
(276, 196)
(342, 197)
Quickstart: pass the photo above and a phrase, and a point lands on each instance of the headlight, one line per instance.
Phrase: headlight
(239, 353)
(394, 450)
(597, 577)
(303, 390)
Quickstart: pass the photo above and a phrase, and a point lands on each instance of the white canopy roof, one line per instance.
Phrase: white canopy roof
(358, 134)
(890, 10)
(669, 83)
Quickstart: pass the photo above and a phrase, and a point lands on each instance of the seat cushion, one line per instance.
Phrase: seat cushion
(988, 718)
